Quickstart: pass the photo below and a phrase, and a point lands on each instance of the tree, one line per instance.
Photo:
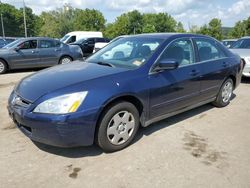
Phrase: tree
(179, 28)
(89, 20)
(214, 28)
(13, 21)
(164, 23)
(204, 30)
(238, 30)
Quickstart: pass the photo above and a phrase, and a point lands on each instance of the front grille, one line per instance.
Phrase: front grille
(19, 101)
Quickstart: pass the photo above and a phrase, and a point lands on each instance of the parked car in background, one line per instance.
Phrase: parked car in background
(78, 35)
(36, 52)
(106, 100)
(99, 46)
(87, 44)
(6, 40)
(229, 42)
(242, 48)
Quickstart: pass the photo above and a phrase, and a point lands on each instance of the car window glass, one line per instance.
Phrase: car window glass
(47, 44)
(242, 43)
(91, 41)
(180, 51)
(100, 40)
(120, 51)
(32, 44)
(72, 39)
(131, 52)
(208, 50)
(58, 44)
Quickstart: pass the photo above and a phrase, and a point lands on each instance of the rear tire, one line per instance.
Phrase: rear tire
(224, 96)
(65, 60)
(118, 126)
(3, 67)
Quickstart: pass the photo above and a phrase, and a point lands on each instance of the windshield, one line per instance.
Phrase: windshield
(65, 38)
(12, 44)
(128, 52)
(242, 43)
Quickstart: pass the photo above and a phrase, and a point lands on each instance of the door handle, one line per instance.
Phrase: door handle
(33, 51)
(194, 72)
(57, 50)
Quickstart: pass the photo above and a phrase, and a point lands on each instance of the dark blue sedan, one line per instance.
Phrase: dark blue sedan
(137, 80)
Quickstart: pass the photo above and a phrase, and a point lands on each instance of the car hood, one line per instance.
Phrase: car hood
(37, 85)
(241, 52)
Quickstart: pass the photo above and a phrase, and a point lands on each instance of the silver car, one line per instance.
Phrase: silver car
(37, 52)
(242, 48)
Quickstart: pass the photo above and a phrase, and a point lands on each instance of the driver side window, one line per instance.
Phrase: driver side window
(181, 51)
(32, 44)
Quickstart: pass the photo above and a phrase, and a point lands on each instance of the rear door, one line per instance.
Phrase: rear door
(27, 55)
(49, 53)
(179, 88)
(214, 66)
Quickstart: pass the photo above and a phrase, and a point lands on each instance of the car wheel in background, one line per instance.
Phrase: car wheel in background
(3, 67)
(224, 96)
(65, 60)
(118, 126)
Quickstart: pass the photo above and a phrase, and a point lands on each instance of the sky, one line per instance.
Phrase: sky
(189, 12)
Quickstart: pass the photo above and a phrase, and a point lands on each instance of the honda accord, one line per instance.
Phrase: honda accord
(132, 82)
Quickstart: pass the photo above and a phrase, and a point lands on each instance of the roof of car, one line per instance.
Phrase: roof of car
(167, 35)
(246, 37)
(37, 38)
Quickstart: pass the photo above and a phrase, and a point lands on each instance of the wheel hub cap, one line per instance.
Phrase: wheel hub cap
(1, 67)
(120, 127)
(227, 92)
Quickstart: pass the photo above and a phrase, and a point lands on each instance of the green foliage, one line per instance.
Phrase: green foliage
(241, 28)
(135, 23)
(58, 22)
(89, 20)
(180, 28)
(61, 21)
(213, 29)
(13, 21)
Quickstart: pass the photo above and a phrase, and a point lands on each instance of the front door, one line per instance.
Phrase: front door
(179, 88)
(26, 55)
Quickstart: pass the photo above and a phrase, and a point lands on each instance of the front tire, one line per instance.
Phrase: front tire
(118, 126)
(3, 67)
(224, 96)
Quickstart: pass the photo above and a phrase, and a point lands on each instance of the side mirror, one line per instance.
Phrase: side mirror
(17, 49)
(166, 64)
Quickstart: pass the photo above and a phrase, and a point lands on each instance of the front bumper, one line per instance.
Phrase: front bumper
(77, 129)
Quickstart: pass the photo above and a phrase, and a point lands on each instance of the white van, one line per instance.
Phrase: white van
(77, 35)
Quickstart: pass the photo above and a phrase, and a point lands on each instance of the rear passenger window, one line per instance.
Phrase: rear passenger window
(208, 50)
(47, 44)
(181, 51)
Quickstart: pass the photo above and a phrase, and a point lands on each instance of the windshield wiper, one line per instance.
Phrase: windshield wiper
(105, 64)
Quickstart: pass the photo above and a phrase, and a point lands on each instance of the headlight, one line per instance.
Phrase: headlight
(62, 105)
